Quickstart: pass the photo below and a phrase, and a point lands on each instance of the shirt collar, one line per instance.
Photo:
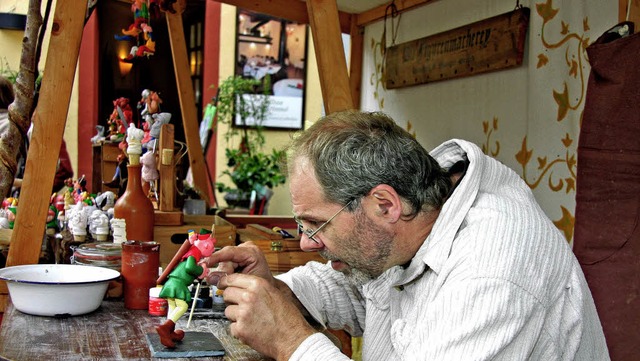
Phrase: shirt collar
(437, 246)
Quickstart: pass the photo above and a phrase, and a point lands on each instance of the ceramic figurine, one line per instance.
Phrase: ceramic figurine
(99, 137)
(119, 229)
(179, 274)
(78, 222)
(150, 102)
(106, 200)
(150, 172)
(99, 225)
(134, 141)
(120, 118)
(52, 220)
(159, 119)
(79, 189)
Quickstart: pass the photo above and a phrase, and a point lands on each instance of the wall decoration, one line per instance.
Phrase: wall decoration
(277, 48)
(487, 45)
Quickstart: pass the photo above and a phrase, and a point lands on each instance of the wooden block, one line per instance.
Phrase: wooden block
(281, 254)
(166, 169)
(241, 221)
(263, 231)
(172, 218)
(172, 237)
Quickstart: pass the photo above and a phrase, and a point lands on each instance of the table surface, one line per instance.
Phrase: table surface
(110, 333)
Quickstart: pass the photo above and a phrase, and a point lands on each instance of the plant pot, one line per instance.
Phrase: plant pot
(238, 200)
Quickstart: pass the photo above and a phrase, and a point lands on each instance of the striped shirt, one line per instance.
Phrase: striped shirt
(494, 280)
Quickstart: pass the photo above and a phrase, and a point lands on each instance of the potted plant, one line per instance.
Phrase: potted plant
(252, 171)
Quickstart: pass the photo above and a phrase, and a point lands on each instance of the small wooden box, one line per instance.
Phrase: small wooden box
(172, 237)
(282, 254)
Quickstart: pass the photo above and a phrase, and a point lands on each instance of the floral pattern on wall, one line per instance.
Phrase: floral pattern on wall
(559, 172)
(539, 138)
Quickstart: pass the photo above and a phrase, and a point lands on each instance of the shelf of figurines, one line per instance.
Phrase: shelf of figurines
(76, 219)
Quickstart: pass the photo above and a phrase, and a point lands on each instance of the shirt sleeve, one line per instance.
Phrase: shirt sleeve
(317, 347)
(478, 319)
(327, 296)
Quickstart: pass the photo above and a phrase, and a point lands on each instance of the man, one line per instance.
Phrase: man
(443, 258)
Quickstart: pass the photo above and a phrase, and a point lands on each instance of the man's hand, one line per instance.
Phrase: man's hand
(263, 311)
(245, 258)
(262, 316)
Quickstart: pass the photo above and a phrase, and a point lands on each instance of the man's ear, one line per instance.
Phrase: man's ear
(386, 202)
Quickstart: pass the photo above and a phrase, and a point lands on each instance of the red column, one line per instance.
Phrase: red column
(211, 75)
(88, 97)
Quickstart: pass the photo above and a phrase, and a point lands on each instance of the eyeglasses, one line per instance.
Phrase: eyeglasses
(310, 232)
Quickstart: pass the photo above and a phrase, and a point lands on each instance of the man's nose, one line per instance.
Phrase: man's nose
(308, 245)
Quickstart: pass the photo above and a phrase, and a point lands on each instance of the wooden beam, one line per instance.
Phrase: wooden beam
(332, 65)
(294, 10)
(187, 104)
(48, 122)
(634, 13)
(355, 62)
(166, 169)
(377, 13)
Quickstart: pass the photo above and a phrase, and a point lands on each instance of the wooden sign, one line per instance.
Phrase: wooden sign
(487, 45)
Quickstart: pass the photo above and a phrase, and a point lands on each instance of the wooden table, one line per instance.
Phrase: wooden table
(110, 333)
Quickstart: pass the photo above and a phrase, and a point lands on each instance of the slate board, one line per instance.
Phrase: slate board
(194, 344)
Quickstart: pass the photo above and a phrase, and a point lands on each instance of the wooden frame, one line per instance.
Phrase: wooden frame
(340, 91)
(68, 23)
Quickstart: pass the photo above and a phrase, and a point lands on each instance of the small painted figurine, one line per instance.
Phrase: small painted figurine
(134, 141)
(79, 189)
(100, 135)
(150, 172)
(175, 289)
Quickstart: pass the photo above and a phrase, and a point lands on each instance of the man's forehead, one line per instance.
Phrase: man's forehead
(303, 185)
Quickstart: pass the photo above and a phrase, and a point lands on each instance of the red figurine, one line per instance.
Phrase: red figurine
(179, 274)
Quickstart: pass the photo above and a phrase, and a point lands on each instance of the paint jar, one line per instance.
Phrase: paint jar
(157, 306)
(101, 254)
(140, 263)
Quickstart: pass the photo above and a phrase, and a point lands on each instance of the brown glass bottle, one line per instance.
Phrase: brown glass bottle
(135, 208)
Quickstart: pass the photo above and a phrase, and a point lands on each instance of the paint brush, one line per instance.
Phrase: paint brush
(193, 304)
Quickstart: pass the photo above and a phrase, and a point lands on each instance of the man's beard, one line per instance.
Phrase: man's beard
(365, 250)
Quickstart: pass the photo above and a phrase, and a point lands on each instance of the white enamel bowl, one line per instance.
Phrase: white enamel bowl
(57, 289)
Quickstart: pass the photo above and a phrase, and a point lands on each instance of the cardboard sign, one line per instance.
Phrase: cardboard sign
(487, 45)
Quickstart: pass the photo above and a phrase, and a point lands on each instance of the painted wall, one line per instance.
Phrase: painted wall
(526, 117)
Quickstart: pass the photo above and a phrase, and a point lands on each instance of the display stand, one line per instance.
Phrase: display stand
(50, 118)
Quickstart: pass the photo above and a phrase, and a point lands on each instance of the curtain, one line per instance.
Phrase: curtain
(607, 237)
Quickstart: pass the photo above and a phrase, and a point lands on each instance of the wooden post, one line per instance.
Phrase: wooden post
(332, 65)
(49, 122)
(355, 62)
(633, 11)
(166, 169)
(187, 103)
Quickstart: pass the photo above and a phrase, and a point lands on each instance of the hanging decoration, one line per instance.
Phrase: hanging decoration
(487, 45)
(140, 31)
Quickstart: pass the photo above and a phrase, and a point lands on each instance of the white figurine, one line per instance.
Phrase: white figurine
(134, 141)
(78, 222)
(119, 228)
